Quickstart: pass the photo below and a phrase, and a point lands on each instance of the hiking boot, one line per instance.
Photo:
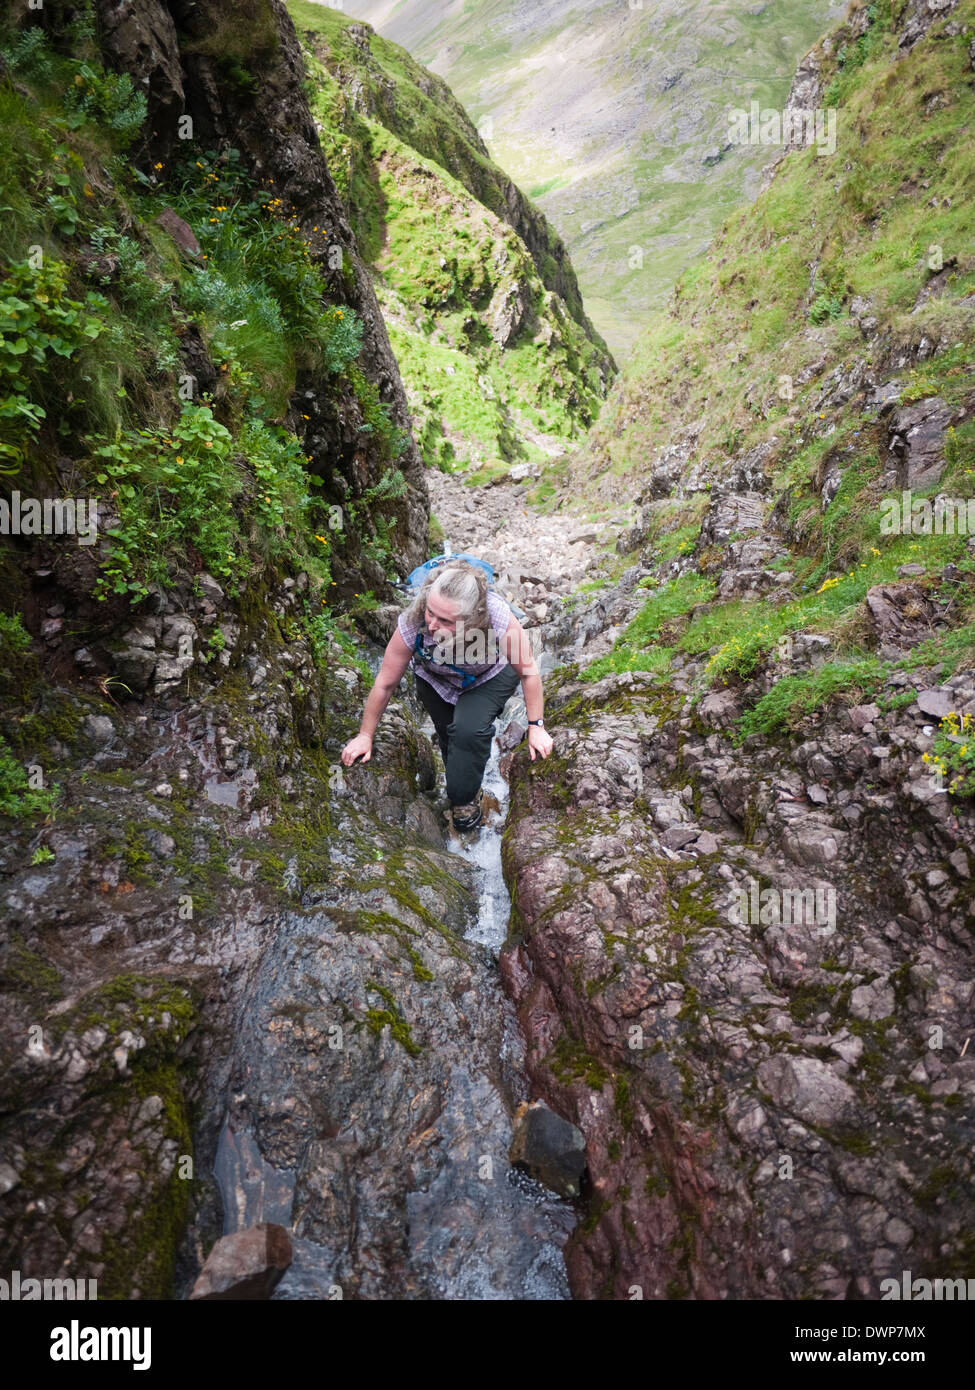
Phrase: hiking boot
(467, 817)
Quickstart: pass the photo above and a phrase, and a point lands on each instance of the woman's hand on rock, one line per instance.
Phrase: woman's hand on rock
(359, 747)
(539, 741)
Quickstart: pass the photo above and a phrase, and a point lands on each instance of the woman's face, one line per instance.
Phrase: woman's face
(440, 617)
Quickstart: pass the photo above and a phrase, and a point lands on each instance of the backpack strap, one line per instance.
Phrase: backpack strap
(467, 679)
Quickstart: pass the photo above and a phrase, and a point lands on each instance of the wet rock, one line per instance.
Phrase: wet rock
(549, 1148)
(246, 1265)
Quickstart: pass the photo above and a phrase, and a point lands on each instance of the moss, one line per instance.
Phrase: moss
(134, 1002)
(144, 1254)
(26, 971)
(569, 1061)
(378, 1019)
(597, 1210)
(941, 1182)
(623, 1101)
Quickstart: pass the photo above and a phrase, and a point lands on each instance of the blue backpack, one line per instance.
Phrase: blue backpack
(416, 578)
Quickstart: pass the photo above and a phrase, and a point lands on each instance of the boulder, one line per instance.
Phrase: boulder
(246, 1264)
(548, 1148)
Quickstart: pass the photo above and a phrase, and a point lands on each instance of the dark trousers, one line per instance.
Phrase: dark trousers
(465, 730)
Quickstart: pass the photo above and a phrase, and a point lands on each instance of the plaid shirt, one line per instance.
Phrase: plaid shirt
(448, 681)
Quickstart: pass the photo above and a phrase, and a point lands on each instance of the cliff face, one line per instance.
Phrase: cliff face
(742, 939)
(190, 58)
(234, 982)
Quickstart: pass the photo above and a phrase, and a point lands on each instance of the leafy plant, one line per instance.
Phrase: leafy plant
(169, 489)
(17, 797)
(954, 753)
(108, 98)
(37, 320)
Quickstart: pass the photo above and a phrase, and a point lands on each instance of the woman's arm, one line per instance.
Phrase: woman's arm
(395, 661)
(517, 648)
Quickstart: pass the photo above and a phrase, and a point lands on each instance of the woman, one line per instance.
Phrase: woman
(469, 653)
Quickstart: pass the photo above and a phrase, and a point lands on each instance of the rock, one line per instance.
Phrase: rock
(9, 1178)
(859, 716)
(902, 617)
(732, 513)
(917, 442)
(872, 1001)
(936, 703)
(719, 709)
(98, 727)
(548, 1148)
(862, 310)
(808, 1088)
(246, 1264)
(181, 232)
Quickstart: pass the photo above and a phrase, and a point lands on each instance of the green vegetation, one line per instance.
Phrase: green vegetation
(793, 697)
(638, 648)
(96, 302)
(497, 368)
(954, 753)
(736, 358)
(18, 797)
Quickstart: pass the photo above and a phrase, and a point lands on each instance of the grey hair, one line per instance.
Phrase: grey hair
(460, 583)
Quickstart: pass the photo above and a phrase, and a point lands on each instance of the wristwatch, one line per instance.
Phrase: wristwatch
(539, 722)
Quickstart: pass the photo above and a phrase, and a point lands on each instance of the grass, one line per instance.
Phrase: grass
(431, 214)
(794, 697)
(638, 648)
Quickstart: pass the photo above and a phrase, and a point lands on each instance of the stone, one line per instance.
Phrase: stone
(872, 1001)
(936, 703)
(549, 1148)
(902, 617)
(181, 232)
(9, 1178)
(917, 442)
(99, 728)
(807, 1087)
(247, 1264)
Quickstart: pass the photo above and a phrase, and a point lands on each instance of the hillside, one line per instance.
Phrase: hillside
(755, 846)
(614, 119)
(500, 363)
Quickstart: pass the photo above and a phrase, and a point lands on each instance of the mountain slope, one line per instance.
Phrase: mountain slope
(614, 118)
(500, 362)
(743, 920)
